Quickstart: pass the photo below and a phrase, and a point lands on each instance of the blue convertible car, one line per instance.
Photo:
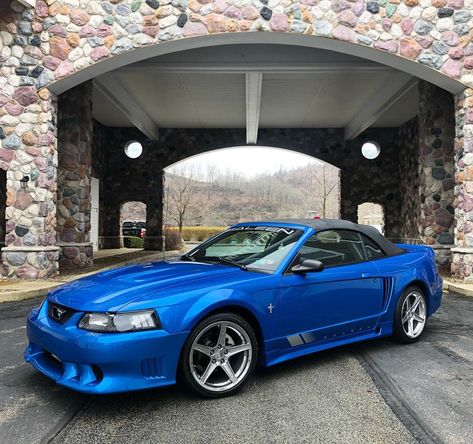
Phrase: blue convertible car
(258, 292)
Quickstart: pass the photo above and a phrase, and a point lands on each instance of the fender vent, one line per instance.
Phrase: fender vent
(151, 368)
(388, 284)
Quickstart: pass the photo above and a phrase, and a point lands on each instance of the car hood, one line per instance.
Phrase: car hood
(113, 290)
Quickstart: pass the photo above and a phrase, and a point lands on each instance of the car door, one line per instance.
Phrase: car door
(343, 299)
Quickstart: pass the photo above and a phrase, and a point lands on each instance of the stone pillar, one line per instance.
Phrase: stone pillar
(436, 171)
(110, 230)
(28, 151)
(75, 132)
(392, 222)
(462, 253)
(154, 212)
(3, 205)
(348, 206)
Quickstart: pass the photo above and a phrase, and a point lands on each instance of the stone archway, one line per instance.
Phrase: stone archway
(53, 47)
(93, 68)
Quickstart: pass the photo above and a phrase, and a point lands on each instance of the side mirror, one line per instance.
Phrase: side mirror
(308, 266)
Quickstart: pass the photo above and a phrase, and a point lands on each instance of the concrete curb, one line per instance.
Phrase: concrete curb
(22, 290)
(458, 288)
(20, 295)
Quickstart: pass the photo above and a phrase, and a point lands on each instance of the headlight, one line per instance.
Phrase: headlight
(119, 322)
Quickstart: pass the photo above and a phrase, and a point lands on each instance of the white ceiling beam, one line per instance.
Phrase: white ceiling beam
(265, 67)
(254, 85)
(28, 3)
(111, 87)
(395, 87)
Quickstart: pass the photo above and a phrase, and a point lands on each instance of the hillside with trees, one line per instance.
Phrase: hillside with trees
(220, 198)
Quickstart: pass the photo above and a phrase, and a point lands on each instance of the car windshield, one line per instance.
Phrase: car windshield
(252, 248)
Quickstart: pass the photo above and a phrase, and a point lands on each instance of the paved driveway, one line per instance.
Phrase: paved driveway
(372, 392)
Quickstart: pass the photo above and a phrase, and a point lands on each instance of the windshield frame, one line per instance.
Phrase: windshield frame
(305, 233)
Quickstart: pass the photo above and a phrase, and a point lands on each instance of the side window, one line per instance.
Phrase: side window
(334, 247)
(373, 250)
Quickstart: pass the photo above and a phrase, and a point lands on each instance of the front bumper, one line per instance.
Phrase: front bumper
(101, 362)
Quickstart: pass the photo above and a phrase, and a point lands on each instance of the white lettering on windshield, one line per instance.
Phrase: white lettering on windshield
(271, 229)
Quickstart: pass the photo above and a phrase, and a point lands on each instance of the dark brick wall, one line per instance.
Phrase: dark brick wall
(124, 179)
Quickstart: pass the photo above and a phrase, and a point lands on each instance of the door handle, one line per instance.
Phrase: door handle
(366, 275)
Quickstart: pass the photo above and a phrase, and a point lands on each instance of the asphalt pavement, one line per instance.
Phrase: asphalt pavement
(373, 392)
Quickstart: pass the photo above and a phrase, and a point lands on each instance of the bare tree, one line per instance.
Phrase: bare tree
(211, 178)
(181, 192)
(326, 183)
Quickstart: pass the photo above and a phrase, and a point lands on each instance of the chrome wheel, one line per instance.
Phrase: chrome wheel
(220, 356)
(413, 314)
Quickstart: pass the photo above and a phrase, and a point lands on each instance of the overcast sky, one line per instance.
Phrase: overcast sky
(249, 161)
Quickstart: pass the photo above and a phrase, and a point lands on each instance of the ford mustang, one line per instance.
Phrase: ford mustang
(259, 292)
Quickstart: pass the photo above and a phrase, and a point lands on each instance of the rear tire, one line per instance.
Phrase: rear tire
(219, 356)
(411, 316)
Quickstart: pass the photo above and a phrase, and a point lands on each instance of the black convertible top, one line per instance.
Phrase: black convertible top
(338, 224)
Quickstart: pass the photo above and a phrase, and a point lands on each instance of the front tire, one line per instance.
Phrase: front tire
(411, 316)
(219, 356)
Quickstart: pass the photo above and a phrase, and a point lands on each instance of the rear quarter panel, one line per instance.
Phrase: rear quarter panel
(415, 266)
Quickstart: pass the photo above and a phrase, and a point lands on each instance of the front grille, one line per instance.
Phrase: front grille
(59, 313)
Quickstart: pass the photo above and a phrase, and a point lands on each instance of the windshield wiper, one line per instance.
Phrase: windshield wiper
(186, 257)
(227, 261)
(223, 260)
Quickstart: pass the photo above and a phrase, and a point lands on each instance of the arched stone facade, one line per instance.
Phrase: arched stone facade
(60, 38)
(61, 43)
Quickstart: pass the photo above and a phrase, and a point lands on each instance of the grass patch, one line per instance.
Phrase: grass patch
(132, 242)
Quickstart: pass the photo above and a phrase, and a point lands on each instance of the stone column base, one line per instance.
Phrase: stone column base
(109, 242)
(30, 262)
(462, 264)
(154, 243)
(75, 256)
(443, 256)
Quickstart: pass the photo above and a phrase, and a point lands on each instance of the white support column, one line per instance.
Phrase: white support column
(254, 84)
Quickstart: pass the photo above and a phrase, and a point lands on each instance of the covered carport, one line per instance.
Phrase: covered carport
(323, 103)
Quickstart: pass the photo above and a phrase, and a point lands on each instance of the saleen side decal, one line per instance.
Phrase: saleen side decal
(307, 338)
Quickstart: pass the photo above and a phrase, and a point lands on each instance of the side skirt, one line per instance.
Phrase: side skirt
(301, 349)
